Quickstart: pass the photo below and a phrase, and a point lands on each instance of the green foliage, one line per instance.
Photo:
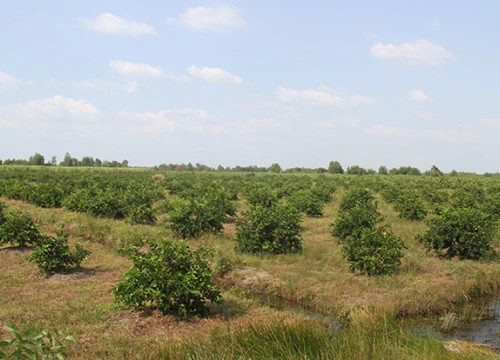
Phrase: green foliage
(98, 202)
(434, 197)
(54, 255)
(335, 168)
(142, 214)
(352, 222)
(356, 195)
(17, 190)
(306, 202)
(434, 171)
(19, 229)
(371, 250)
(492, 205)
(274, 229)
(410, 207)
(405, 170)
(465, 233)
(169, 277)
(3, 217)
(382, 170)
(358, 210)
(36, 159)
(376, 251)
(48, 195)
(355, 170)
(469, 196)
(34, 343)
(275, 168)
(263, 196)
(195, 216)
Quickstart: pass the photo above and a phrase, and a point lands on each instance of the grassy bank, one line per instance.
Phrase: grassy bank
(249, 324)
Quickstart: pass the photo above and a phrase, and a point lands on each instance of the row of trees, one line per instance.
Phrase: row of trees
(336, 168)
(333, 168)
(88, 161)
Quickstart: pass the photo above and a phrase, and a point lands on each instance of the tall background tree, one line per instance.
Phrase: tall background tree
(68, 161)
(335, 168)
(36, 159)
(87, 161)
(275, 168)
(383, 170)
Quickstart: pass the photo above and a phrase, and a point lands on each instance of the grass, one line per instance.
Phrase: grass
(368, 336)
(249, 325)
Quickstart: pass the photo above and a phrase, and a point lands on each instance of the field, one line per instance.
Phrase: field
(291, 305)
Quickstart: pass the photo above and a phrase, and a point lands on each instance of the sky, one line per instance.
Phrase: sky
(299, 83)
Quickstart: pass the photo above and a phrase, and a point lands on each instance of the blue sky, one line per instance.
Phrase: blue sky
(300, 83)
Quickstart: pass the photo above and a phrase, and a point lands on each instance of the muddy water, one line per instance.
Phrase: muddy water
(485, 331)
(482, 332)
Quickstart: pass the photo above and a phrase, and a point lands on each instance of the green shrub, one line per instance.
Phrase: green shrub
(274, 229)
(356, 195)
(142, 214)
(169, 277)
(492, 205)
(54, 255)
(306, 202)
(463, 232)
(410, 207)
(351, 223)
(435, 198)
(207, 213)
(3, 217)
(219, 199)
(192, 218)
(467, 197)
(19, 229)
(358, 210)
(34, 343)
(48, 195)
(107, 203)
(391, 193)
(17, 190)
(376, 251)
(263, 196)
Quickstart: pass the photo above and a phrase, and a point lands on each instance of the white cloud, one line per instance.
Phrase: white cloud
(261, 126)
(421, 52)
(338, 122)
(448, 135)
(8, 82)
(490, 122)
(101, 85)
(372, 35)
(315, 97)
(214, 75)
(171, 120)
(115, 25)
(435, 23)
(45, 113)
(419, 96)
(266, 104)
(218, 18)
(144, 71)
(425, 115)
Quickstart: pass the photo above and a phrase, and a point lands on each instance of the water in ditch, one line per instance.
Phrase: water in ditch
(486, 331)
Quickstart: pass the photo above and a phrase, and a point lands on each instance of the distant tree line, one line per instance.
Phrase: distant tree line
(88, 161)
(334, 167)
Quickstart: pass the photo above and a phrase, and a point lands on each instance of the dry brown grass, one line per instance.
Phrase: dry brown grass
(316, 279)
